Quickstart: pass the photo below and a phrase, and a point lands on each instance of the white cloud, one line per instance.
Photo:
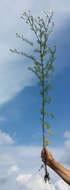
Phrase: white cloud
(67, 134)
(13, 78)
(65, 155)
(19, 168)
(13, 169)
(13, 73)
(31, 182)
(61, 185)
(5, 139)
(23, 178)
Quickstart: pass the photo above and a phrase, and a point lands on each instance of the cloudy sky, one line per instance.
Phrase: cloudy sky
(20, 127)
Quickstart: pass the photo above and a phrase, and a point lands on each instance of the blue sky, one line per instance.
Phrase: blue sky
(22, 112)
(20, 126)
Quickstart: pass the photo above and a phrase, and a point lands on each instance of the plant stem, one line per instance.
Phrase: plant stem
(43, 104)
(41, 56)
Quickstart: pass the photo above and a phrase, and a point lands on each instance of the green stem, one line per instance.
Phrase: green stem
(41, 56)
(43, 106)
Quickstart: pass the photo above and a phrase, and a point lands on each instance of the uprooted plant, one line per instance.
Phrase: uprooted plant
(43, 58)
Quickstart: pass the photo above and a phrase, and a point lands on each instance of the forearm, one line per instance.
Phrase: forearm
(61, 171)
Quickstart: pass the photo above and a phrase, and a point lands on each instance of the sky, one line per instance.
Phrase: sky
(20, 126)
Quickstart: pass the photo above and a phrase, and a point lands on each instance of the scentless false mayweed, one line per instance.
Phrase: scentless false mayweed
(43, 11)
(51, 10)
(38, 17)
(24, 12)
(43, 57)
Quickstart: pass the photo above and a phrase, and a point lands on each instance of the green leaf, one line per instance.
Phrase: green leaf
(48, 128)
(47, 125)
(38, 41)
(37, 68)
(48, 100)
(42, 92)
(42, 43)
(31, 69)
(50, 67)
(45, 52)
(34, 71)
(17, 35)
(48, 87)
(46, 141)
(54, 49)
(36, 50)
(52, 24)
(52, 115)
(37, 63)
(24, 39)
(22, 53)
(50, 31)
(49, 131)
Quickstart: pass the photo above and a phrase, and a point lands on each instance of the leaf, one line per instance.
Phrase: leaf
(54, 49)
(24, 39)
(49, 131)
(37, 68)
(38, 41)
(42, 43)
(48, 87)
(52, 115)
(25, 54)
(52, 24)
(41, 92)
(45, 52)
(48, 128)
(22, 53)
(46, 141)
(48, 100)
(37, 63)
(34, 71)
(14, 51)
(36, 50)
(50, 31)
(17, 35)
(31, 69)
(47, 125)
(50, 67)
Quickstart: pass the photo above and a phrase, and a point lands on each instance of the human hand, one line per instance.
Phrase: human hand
(46, 156)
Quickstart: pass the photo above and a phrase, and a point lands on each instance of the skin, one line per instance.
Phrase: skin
(48, 159)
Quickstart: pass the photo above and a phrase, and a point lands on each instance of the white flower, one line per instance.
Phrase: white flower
(51, 10)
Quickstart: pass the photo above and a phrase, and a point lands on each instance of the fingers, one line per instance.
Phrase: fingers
(43, 150)
(44, 155)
